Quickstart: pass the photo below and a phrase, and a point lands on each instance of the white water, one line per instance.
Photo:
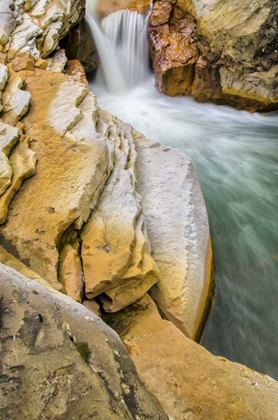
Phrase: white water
(236, 158)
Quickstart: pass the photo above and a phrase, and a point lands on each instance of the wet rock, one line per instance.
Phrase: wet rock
(216, 51)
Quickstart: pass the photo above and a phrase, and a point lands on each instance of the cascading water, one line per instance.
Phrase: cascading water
(236, 157)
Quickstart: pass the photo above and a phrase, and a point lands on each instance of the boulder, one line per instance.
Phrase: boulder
(60, 361)
(217, 51)
(189, 381)
(178, 229)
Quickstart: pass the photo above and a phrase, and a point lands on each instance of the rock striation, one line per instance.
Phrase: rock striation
(61, 361)
(83, 221)
(217, 51)
(190, 382)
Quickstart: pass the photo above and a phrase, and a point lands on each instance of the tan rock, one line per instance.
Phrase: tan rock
(105, 7)
(60, 361)
(92, 305)
(41, 63)
(23, 165)
(70, 173)
(190, 382)
(9, 260)
(70, 272)
(15, 101)
(178, 229)
(8, 138)
(115, 250)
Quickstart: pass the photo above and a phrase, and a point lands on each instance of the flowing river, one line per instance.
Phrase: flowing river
(236, 157)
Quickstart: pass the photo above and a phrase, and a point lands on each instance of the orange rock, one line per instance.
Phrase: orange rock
(105, 7)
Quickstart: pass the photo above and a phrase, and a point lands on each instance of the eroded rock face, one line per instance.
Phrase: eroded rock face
(190, 382)
(83, 221)
(60, 361)
(105, 7)
(217, 51)
(35, 27)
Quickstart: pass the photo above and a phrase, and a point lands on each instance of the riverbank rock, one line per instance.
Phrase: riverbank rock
(178, 229)
(60, 361)
(105, 7)
(190, 382)
(86, 221)
(217, 51)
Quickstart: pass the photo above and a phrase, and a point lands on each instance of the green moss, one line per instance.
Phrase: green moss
(83, 349)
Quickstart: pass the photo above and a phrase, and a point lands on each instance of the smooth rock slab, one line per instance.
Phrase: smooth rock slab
(177, 225)
(60, 361)
(189, 381)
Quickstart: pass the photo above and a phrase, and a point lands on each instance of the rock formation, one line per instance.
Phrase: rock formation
(91, 208)
(105, 7)
(217, 51)
(83, 221)
(61, 361)
(190, 382)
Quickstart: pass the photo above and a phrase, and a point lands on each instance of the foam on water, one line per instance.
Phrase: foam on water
(236, 158)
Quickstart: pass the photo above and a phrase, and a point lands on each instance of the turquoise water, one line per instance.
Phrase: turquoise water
(236, 157)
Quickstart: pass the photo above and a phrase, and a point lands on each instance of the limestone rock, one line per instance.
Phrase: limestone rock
(190, 382)
(6, 258)
(217, 51)
(60, 361)
(70, 272)
(71, 172)
(92, 305)
(105, 7)
(15, 100)
(23, 165)
(177, 226)
(4, 74)
(7, 20)
(115, 249)
(8, 138)
(35, 27)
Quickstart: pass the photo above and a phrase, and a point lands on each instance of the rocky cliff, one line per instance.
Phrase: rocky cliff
(91, 208)
(217, 51)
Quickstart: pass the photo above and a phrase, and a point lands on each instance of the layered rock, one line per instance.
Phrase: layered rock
(60, 361)
(35, 27)
(84, 221)
(89, 198)
(190, 382)
(216, 51)
(105, 7)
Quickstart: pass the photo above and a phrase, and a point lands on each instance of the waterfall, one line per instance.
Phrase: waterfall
(122, 44)
(236, 157)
